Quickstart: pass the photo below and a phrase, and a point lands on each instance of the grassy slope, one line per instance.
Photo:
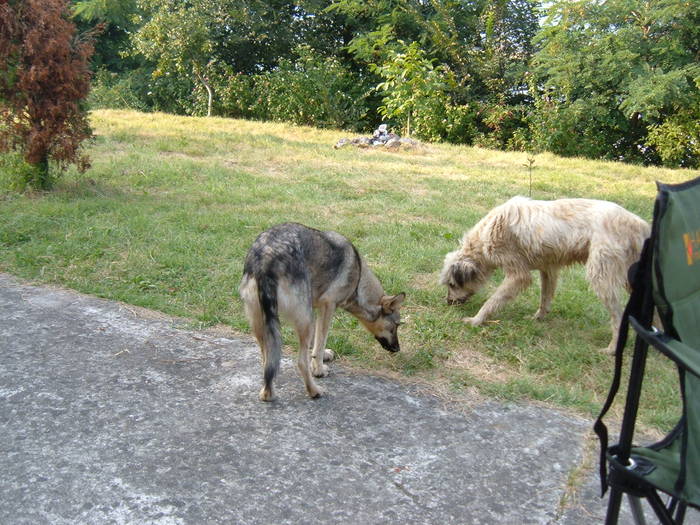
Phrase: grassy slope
(164, 217)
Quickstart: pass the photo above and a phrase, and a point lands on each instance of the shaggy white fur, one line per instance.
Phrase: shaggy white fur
(522, 235)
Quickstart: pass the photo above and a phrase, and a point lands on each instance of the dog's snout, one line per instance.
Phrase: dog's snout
(391, 346)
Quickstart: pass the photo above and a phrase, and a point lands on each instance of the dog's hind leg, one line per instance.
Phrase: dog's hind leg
(548, 281)
(305, 331)
(512, 285)
(268, 354)
(319, 354)
(266, 332)
(607, 277)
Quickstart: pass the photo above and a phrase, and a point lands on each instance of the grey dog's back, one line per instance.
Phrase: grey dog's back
(303, 256)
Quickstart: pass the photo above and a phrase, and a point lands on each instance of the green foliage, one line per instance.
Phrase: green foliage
(504, 127)
(678, 140)
(112, 43)
(309, 90)
(238, 95)
(463, 74)
(18, 175)
(179, 39)
(198, 42)
(115, 13)
(378, 26)
(126, 91)
(615, 80)
(415, 93)
(609, 72)
(461, 124)
(584, 127)
(313, 90)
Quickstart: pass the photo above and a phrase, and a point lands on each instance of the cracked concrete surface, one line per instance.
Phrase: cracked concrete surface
(109, 415)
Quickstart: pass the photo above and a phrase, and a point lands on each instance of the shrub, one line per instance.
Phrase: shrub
(503, 127)
(677, 142)
(114, 91)
(236, 95)
(461, 125)
(17, 175)
(415, 92)
(313, 90)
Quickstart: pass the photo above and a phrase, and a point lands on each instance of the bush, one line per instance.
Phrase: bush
(461, 125)
(414, 91)
(235, 95)
(315, 91)
(503, 127)
(575, 129)
(112, 91)
(139, 90)
(18, 175)
(677, 142)
(311, 90)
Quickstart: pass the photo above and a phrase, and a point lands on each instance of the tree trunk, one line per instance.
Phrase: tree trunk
(210, 96)
(210, 92)
(40, 178)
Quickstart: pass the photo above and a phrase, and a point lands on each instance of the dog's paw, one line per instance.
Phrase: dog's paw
(319, 371)
(314, 391)
(266, 395)
(609, 350)
(539, 314)
(328, 355)
(474, 321)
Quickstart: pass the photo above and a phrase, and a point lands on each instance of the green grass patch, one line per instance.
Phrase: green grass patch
(164, 217)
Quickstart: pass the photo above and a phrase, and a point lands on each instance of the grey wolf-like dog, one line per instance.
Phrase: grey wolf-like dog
(290, 270)
(523, 235)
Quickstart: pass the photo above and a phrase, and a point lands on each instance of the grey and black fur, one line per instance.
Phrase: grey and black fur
(289, 271)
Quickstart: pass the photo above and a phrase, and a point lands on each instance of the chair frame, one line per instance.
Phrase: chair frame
(624, 476)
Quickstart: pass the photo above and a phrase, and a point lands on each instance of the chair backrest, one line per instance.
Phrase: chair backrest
(677, 260)
(676, 284)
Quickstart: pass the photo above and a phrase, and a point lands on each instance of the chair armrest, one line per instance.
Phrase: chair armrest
(682, 354)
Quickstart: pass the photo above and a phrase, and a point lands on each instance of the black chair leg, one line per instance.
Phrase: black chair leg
(613, 506)
(659, 508)
(637, 512)
(680, 512)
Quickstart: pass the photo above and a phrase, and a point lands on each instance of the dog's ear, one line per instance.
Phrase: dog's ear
(391, 303)
(463, 272)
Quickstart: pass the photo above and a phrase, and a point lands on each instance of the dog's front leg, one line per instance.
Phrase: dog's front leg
(509, 289)
(548, 281)
(319, 354)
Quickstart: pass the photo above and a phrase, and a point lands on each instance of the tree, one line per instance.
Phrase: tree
(192, 41)
(112, 44)
(414, 90)
(178, 38)
(44, 77)
(609, 73)
(479, 52)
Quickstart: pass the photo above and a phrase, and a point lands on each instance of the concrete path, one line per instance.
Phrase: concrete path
(111, 414)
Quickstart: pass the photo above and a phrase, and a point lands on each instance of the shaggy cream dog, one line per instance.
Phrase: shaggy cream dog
(522, 235)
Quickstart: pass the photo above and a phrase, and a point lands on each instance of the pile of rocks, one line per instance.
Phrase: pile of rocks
(381, 138)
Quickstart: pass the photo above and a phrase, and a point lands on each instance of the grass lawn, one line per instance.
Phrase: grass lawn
(164, 217)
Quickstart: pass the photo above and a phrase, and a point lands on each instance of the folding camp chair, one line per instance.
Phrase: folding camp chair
(667, 277)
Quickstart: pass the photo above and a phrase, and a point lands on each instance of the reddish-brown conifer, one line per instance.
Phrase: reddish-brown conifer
(44, 79)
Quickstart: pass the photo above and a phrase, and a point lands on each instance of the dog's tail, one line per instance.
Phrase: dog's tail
(271, 343)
